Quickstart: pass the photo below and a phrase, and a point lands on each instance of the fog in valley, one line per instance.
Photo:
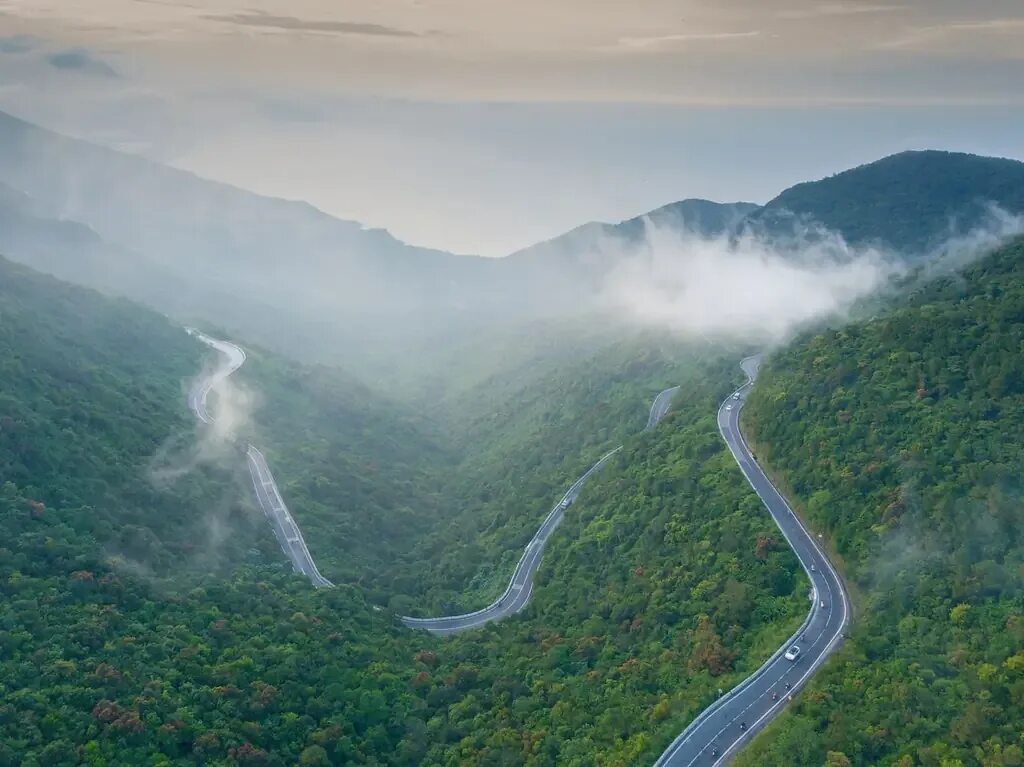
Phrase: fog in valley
(288, 276)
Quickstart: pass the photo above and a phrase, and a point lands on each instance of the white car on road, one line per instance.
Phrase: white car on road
(792, 653)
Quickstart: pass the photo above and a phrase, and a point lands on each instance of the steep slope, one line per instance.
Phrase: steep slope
(362, 474)
(86, 378)
(192, 224)
(147, 618)
(910, 201)
(518, 445)
(666, 582)
(903, 438)
(303, 283)
(91, 398)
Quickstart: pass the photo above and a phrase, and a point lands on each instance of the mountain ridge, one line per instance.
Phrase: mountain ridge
(909, 201)
(322, 289)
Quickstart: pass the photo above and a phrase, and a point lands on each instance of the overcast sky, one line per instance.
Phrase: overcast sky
(482, 126)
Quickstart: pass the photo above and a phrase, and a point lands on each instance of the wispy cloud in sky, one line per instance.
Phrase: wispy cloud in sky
(484, 126)
(81, 61)
(817, 10)
(663, 42)
(1003, 37)
(293, 24)
(665, 51)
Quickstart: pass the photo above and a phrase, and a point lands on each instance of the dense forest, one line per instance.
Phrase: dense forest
(520, 449)
(91, 418)
(910, 202)
(147, 615)
(902, 437)
(384, 486)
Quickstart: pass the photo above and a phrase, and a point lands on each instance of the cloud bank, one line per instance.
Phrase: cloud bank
(762, 291)
(742, 288)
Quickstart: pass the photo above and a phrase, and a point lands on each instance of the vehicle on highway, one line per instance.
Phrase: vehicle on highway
(728, 407)
(736, 395)
(792, 653)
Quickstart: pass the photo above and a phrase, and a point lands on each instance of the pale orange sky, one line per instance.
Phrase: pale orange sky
(677, 51)
(481, 126)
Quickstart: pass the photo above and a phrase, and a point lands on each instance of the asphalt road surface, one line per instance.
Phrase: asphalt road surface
(282, 522)
(267, 494)
(232, 358)
(660, 406)
(715, 736)
(520, 588)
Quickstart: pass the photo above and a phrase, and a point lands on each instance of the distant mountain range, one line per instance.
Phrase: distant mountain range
(293, 277)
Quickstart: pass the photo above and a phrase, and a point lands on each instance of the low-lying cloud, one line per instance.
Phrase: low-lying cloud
(762, 290)
(230, 405)
(961, 248)
(742, 287)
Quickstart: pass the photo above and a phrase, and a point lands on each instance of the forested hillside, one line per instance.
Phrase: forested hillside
(119, 646)
(91, 412)
(148, 615)
(381, 487)
(903, 437)
(911, 201)
(522, 448)
(666, 583)
(127, 629)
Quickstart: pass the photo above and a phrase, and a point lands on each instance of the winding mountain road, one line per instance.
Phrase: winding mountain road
(715, 736)
(264, 486)
(660, 406)
(520, 588)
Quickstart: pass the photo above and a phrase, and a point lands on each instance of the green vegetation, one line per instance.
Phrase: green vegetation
(360, 473)
(904, 438)
(666, 582)
(519, 448)
(91, 408)
(148, 616)
(380, 488)
(908, 201)
(155, 622)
